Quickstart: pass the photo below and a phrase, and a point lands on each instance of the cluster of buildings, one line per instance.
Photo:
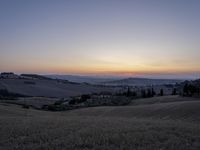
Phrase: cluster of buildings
(8, 75)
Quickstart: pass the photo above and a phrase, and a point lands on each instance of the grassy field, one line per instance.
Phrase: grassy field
(48, 88)
(162, 124)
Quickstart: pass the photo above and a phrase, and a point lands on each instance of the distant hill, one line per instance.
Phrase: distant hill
(35, 76)
(114, 81)
(142, 82)
(83, 79)
(48, 87)
(192, 82)
(196, 82)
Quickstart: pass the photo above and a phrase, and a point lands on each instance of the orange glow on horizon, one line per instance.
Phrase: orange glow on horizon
(121, 71)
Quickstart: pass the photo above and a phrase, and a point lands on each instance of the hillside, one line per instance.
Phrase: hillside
(161, 124)
(193, 82)
(115, 80)
(47, 88)
(142, 82)
(83, 79)
(174, 110)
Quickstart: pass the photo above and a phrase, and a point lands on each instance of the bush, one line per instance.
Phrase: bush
(25, 106)
(85, 97)
(72, 102)
(58, 102)
(56, 107)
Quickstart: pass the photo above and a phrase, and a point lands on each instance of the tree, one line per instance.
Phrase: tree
(185, 89)
(149, 93)
(174, 92)
(153, 92)
(84, 97)
(143, 93)
(161, 92)
(128, 92)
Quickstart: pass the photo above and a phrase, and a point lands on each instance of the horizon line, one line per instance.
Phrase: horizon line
(118, 76)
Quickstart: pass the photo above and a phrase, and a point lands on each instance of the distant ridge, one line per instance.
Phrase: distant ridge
(36, 85)
(143, 81)
(35, 76)
(83, 79)
(135, 81)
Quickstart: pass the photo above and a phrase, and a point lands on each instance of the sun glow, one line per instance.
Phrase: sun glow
(69, 38)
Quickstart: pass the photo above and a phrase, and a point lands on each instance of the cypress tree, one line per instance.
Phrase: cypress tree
(161, 92)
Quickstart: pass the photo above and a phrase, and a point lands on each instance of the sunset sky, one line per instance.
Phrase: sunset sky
(101, 37)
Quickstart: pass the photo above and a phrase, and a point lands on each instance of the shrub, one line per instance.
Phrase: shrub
(72, 102)
(56, 107)
(58, 102)
(85, 97)
(25, 106)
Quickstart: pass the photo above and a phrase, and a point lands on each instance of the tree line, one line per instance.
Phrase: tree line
(190, 89)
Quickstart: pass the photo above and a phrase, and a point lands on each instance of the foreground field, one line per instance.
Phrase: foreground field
(159, 126)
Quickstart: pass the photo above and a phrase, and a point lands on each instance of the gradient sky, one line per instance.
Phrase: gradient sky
(101, 37)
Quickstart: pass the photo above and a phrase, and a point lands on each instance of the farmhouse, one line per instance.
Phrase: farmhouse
(8, 75)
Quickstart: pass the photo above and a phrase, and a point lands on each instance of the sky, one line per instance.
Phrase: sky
(155, 38)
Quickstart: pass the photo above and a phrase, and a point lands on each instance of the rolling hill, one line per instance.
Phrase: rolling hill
(83, 79)
(48, 88)
(142, 82)
(162, 124)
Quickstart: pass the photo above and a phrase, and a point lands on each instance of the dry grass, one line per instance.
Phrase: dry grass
(35, 102)
(161, 99)
(101, 128)
(182, 110)
(48, 88)
(96, 133)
